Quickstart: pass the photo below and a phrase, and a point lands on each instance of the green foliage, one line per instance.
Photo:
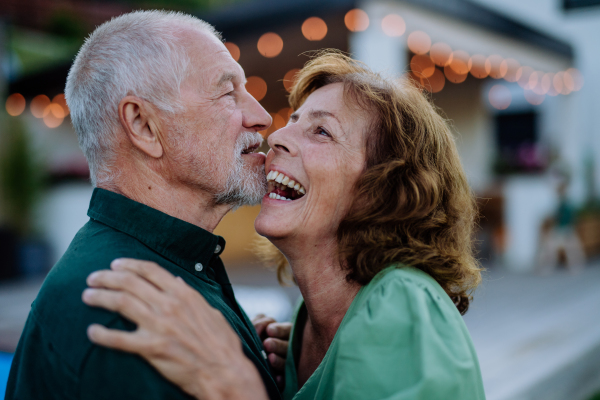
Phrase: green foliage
(21, 176)
(595, 397)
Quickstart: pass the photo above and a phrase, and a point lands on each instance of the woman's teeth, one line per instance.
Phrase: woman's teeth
(278, 180)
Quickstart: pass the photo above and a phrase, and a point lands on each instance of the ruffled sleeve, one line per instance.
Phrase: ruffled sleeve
(406, 341)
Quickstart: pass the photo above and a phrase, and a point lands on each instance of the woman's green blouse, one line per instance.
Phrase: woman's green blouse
(402, 338)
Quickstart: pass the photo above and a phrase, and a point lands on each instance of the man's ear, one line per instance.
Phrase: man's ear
(139, 120)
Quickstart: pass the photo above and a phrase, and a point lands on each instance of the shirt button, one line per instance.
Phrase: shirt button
(264, 354)
(199, 267)
(218, 248)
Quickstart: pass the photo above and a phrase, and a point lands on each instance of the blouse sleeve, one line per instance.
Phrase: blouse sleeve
(406, 342)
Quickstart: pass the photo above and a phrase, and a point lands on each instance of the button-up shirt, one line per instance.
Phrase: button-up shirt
(56, 360)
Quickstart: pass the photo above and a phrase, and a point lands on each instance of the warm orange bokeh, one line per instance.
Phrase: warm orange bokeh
(270, 45)
(15, 104)
(393, 25)
(61, 101)
(477, 66)
(452, 76)
(460, 62)
(500, 97)
(422, 66)
(38, 105)
(493, 64)
(356, 20)
(441, 54)
(314, 28)
(289, 79)
(234, 50)
(510, 68)
(419, 42)
(435, 83)
(257, 87)
(53, 115)
(285, 113)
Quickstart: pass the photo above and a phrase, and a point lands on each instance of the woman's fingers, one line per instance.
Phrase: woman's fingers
(278, 363)
(276, 346)
(280, 330)
(123, 281)
(124, 303)
(148, 270)
(260, 323)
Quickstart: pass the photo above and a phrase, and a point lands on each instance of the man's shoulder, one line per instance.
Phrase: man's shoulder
(58, 310)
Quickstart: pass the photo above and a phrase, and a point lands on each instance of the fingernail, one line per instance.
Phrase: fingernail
(91, 278)
(117, 263)
(272, 330)
(87, 294)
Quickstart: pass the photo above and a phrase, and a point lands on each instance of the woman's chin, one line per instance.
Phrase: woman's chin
(271, 226)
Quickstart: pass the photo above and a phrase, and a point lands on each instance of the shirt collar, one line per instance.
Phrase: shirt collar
(181, 242)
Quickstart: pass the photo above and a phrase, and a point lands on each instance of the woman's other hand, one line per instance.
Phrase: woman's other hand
(275, 337)
(178, 332)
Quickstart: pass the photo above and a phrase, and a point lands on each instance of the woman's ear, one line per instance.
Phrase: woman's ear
(139, 120)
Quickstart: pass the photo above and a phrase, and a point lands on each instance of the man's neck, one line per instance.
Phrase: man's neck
(182, 202)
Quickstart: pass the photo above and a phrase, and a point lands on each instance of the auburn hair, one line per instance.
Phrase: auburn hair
(412, 203)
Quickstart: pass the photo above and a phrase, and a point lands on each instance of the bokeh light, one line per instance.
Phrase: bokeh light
(393, 25)
(356, 20)
(15, 104)
(493, 64)
(422, 66)
(278, 121)
(61, 101)
(535, 83)
(547, 82)
(441, 54)
(285, 113)
(500, 97)
(234, 50)
(289, 79)
(460, 62)
(524, 73)
(534, 98)
(575, 77)
(270, 45)
(419, 42)
(435, 83)
(510, 69)
(54, 115)
(452, 76)
(477, 66)
(257, 87)
(38, 105)
(314, 28)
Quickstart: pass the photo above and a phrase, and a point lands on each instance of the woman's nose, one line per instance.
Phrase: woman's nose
(280, 141)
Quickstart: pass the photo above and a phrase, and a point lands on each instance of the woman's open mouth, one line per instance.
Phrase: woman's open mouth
(282, 187)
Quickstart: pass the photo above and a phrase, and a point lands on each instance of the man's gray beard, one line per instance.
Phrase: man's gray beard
(244, 186)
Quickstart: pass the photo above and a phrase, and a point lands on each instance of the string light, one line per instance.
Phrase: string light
(393, 25)
(419, 42)
(289, 79)
(15, 104)
(356, 20)
(257, 87)
(38, 105)
(270, 45)
(314, 28)
(234, 50)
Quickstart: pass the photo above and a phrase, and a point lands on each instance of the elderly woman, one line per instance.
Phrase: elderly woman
(370, 206)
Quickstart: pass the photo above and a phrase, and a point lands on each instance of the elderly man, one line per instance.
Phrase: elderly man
(168, 129)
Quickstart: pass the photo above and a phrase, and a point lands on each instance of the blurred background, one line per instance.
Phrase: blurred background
(516, 79)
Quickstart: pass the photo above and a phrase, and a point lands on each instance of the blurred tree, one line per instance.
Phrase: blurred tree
(21, 177)
(65, 23)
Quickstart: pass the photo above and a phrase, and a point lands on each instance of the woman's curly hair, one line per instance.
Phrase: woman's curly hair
(413, 204)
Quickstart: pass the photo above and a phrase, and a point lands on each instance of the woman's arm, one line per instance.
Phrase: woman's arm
(178, 332)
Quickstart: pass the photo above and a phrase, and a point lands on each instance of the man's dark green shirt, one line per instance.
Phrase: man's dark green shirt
(56, 360)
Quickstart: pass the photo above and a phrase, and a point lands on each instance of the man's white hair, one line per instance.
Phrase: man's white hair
(139, 54)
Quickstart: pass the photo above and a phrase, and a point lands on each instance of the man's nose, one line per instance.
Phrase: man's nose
(255, 117)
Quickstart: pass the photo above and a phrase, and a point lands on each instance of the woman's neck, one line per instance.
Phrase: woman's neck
(326, 292)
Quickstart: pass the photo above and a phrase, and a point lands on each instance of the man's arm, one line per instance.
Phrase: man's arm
(178, 332)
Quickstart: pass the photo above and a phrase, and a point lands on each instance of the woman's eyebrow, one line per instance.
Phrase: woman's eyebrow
(315, 114)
